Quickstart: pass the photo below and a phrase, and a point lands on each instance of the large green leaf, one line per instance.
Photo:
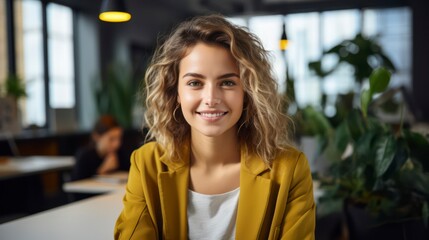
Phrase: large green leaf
(379, 80)
(386, 148)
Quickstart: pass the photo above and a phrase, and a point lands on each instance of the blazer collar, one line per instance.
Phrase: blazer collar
(173, 189)
(175, 164)
(255, 194)
(252, 163)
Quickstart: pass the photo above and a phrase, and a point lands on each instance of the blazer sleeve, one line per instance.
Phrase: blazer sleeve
(300, 218)
(134, 222)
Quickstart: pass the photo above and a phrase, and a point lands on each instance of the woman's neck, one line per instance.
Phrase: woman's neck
(212, 152)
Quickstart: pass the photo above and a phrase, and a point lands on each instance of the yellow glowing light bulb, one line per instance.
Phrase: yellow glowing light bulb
(114, 16)
(283, 44)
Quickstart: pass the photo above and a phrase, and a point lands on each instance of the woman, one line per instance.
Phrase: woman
(222, 166)
(101, 156)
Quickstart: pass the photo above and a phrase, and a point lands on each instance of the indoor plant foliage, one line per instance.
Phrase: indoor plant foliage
(115, 95)
(362, 53)
(14, 87)
(380, 167)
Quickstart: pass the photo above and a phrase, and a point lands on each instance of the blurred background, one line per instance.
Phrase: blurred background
(62, 68)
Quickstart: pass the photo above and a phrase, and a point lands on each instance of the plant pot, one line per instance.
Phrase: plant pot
(10, 117)
(362, 226)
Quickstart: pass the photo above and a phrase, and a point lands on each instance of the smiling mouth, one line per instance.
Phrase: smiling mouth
(212, 115)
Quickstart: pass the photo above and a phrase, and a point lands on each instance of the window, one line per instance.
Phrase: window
(61, 61)
(311, 33)
(3, 42)
(29, 57)
(258, 25)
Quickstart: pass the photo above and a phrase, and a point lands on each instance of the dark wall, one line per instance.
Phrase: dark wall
(420, 58)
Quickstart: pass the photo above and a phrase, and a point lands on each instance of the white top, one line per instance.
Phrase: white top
(212, 216)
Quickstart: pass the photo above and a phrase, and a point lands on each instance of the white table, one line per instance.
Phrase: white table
(98, 184)
(23, 166)
(92, 218)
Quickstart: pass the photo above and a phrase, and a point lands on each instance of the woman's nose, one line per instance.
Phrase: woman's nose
(211, 96)
(211, 102)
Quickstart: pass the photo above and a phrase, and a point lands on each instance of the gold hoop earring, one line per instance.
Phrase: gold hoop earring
(174, 112)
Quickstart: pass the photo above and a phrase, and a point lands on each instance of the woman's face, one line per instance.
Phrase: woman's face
(110, 141)
(210, 91)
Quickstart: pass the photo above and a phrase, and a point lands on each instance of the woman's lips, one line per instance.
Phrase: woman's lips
(212, 116)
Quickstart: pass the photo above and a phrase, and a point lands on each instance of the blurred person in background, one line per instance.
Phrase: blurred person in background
(103, 154)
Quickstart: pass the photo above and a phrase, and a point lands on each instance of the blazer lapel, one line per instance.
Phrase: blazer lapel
(173, 190)
(254, 197)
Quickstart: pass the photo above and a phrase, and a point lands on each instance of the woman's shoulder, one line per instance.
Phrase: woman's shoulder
(150, 149)
(149, 153)
(290, 157)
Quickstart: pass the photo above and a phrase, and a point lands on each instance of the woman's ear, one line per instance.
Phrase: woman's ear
(178, 99)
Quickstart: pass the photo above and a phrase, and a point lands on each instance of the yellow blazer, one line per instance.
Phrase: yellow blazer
(274, 203)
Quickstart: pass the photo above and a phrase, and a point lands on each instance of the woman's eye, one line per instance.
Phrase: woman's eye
(194, 83)
(228, 83)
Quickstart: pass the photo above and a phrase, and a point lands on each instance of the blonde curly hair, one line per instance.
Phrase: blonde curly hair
(263, 127)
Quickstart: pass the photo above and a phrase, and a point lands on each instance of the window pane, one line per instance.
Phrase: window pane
(394, 34)
(3, 43)
(61, 58)
(303, 31)
(29, 56)
(270, 38)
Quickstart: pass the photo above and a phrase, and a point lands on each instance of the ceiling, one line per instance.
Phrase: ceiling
(151, 18)
(236, 7)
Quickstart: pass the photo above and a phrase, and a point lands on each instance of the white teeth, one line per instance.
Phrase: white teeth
(212, 115)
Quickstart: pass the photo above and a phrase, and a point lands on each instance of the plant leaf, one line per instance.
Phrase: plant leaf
(419, 148)
(342, 136)
(355, 124)
(365, 99)
(401, 156)
(379, 80)
(386, 148)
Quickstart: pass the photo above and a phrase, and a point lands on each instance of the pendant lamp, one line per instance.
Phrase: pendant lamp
(114, 11)
(283, 39)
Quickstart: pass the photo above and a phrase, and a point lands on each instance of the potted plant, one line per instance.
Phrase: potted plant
(10, 117)
(379, 172)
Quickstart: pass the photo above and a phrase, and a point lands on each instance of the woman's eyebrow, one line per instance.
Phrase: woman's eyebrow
(228, 75)
(197, 75)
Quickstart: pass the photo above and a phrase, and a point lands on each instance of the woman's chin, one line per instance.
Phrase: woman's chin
(212, 132)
